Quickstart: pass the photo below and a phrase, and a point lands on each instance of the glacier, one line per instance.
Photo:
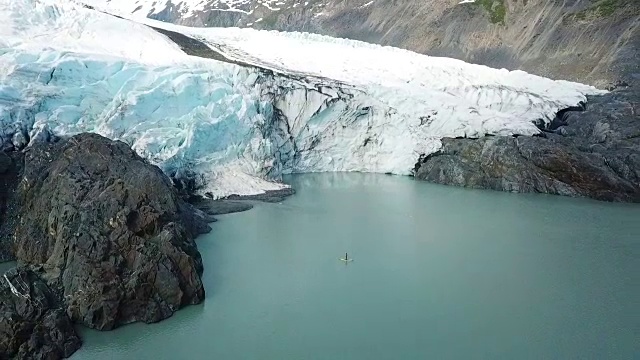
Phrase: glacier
(291, 102)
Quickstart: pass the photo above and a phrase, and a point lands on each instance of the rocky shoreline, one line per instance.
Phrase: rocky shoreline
(592, 153)
(102, 239)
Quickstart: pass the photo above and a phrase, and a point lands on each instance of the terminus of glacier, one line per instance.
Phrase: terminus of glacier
(227, 129)
(256, 125)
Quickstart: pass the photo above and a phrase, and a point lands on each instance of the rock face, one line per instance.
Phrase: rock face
(110, 232)
(595, 153)
(10, 168)
(33, 324)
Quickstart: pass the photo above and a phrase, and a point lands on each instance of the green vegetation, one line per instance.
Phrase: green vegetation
(601, 8)
(496, 10)
(607, 7)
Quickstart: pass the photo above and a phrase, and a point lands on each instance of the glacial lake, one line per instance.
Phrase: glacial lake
(438, 273)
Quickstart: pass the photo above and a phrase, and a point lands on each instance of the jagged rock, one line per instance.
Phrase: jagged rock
(33, 323)
(597, 155)
(110, 232)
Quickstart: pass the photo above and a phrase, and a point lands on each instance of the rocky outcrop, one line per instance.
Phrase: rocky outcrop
(102, 238)
(33, 322)
(594, 153)
(109, 231)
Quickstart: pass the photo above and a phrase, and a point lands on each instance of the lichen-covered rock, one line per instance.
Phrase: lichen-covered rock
(110, 232)
(595, 153)
(33, 323)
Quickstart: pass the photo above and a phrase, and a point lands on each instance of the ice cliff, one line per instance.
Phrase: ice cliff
(301, 103)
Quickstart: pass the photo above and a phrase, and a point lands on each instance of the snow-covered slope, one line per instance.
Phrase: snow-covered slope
(327, 105)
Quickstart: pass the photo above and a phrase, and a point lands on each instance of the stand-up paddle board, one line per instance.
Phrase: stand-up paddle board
(346, 260)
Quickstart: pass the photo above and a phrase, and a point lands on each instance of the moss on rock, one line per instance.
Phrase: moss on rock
(496, 9)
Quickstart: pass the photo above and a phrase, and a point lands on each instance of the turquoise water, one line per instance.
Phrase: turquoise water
(438, 272)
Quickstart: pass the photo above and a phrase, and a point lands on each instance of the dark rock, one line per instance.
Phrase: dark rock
(110, 231)
(10, 171)
(597, 155)
(5, 163)
(33, 322)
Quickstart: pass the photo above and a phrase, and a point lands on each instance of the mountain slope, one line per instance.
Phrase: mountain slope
(592, 41)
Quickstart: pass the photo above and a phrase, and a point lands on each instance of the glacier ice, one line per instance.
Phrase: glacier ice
(308, 103)
(211, 119)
